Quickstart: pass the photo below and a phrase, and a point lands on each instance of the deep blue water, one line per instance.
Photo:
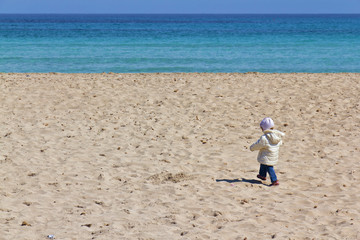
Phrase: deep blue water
(179, 43)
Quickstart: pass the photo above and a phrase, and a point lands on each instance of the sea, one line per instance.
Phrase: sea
(147, 43)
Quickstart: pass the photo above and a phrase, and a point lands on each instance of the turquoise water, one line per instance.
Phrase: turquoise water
(179, 43)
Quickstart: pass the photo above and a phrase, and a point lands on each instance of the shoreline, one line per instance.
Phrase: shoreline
(65, 73)
(159, 155)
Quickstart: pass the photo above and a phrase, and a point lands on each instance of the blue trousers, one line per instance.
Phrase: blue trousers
(267, 169)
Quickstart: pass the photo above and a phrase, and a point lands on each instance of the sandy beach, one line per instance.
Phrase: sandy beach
(166, 156)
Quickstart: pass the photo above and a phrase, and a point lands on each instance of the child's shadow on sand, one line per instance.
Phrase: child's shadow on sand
(252, 181)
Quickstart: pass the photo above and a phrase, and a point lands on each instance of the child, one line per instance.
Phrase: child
(268, 146)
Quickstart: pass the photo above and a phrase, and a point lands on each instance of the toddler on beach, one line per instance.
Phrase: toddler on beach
(268, 146)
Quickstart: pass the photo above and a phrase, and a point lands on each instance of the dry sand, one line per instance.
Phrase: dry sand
(166, 156)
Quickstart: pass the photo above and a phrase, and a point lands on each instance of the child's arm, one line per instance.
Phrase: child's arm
(258, 145)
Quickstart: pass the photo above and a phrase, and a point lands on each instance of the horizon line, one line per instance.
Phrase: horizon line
(184, 13)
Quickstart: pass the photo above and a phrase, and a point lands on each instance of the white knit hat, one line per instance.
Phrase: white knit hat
(266, 123)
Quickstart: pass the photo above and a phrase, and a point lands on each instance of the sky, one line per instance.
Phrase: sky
(180, 6)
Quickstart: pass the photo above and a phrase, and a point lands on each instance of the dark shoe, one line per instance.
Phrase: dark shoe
(261, 177)
(275, 183)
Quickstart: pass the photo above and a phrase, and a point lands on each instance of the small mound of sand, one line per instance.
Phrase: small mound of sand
(164, 177)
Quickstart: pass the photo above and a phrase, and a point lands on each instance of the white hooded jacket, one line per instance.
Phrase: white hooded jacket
(268, 146)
